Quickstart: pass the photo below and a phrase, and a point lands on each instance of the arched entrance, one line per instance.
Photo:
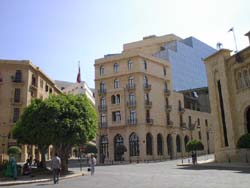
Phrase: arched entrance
(149, 144)
(118, 140)
(159, 145)
(170, 145)
(103, 147)
(248, 119)
(178, 144)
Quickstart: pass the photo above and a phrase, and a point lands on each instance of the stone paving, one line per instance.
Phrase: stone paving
(159, 174)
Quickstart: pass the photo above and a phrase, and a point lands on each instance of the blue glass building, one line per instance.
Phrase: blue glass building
(186, 58)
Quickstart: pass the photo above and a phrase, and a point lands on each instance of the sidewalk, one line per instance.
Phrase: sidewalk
(38, 179)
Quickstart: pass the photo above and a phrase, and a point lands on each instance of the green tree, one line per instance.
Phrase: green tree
(194, 145)
(62, 120)
(244, 141)
(14, 150)
(34, 126)
(74, 122)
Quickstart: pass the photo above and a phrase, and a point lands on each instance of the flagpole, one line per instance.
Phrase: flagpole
(235, 42)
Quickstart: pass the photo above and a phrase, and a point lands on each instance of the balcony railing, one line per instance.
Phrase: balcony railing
(191, 126)
(16, 101)
(16, 80)
(168, 108)
(130, 86)
(167, 92)
(102, 108)
(103, 124)
(181, 110)
(132, 121)
(147, 87)
(149, 121)
(131, 104)
(102, 91)
(148, 104)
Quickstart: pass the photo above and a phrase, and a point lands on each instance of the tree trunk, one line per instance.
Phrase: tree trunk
(63, 151)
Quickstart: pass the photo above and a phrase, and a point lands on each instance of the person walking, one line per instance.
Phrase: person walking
(92, 163)
(56, 166)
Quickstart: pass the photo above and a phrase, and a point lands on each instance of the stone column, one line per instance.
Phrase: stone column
(174, 146)
(24, 153)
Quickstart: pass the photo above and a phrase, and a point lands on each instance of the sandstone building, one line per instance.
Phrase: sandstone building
(229, 93)
(20, 82)
(138, 106)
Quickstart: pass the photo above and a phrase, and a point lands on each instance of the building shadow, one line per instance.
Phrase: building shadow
(244, 170)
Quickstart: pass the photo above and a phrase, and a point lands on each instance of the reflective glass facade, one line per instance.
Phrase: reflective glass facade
(185, 56)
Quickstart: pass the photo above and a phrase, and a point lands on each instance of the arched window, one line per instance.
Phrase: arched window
(134, 145)
(103, 147)
(159, 145)
(116, 67)
(113, 99)
(170, 145)
(186, 139)
(149, 144)
(116, 83)
(178, 143)
(117, 99)
(130, 65)
(118, 140)
(248, 119)
(101, 70)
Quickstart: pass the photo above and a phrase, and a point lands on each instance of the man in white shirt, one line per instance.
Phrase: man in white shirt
(92, 163)
(56, 166)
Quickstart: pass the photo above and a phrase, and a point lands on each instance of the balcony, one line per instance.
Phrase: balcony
(103, 124)
(102, 91)
(131, 104)
(33, 86)
(181, 110)
(130, 87)
(16, 80)
(132, 122)
(168, 108)
(102, 108)
(167, 92)
(191, 126)
(149, 121)
(183, 125)
(170, 123)
(148, 104)
(147, 87)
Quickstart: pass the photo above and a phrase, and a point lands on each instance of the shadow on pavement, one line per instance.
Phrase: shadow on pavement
(245, 170)
(45, 184)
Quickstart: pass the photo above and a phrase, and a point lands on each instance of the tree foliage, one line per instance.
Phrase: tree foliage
(61, 120)
(244, 141)
(194, 145)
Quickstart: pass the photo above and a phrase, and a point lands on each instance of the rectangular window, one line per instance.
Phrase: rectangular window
(116, 116)
(18, 76)
(46, 88)
(206, 123)
(17, 95)
(16, 114)
(41, 83)
(33, 80)
(200, 135)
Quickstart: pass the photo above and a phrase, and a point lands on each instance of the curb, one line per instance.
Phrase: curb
(40, 180)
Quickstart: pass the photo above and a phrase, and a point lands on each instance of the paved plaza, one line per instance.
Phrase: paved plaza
(158, 174)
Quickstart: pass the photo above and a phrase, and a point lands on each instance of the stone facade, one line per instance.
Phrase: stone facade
(20, 82)
(229, 93)
(138, 108)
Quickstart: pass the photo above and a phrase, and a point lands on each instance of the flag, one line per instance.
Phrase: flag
(231, 29)
(78, 79)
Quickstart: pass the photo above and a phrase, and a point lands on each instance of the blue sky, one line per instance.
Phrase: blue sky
(56, 34)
